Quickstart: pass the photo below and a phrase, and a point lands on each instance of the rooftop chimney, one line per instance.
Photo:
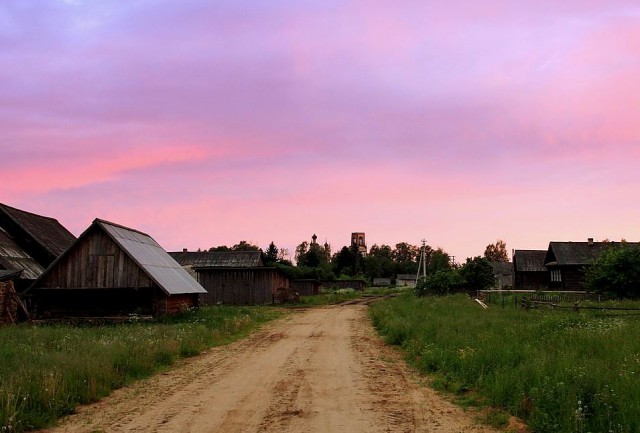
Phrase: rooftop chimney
(590, 241)
(184, 250)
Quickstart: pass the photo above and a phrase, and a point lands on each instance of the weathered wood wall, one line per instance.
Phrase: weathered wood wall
(240, 286)
(97, 262)
(531, 280)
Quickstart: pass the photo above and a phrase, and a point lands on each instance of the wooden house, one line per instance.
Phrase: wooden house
(567, 262)
(113, 270)
(530, 273)
(29, 243)
(234, 277)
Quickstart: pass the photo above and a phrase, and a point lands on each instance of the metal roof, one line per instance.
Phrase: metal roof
(218, 259)
(152, 258)
(47, 232)
(14, 258)
(529, 260)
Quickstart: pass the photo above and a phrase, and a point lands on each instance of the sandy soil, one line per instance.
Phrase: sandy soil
(319, 370)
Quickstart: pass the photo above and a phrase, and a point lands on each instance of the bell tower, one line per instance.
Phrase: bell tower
(357, 239)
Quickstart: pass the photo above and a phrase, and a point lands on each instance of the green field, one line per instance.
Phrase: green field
(558, 370)
(46, 370)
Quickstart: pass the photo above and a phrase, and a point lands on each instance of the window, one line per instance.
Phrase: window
(556, 276)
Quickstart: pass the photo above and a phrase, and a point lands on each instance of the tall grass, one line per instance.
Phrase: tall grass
(560, 371)
(46, 371)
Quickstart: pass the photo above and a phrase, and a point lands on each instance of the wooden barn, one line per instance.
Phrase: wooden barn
(530, 273)
(29, 243)
(234, 277)
(568, 261)
(112, 270)
(306, 287)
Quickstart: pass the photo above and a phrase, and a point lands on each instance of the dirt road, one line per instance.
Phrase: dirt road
(320, 370)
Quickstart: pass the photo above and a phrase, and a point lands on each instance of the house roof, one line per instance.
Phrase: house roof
(529, 260)
(218, 259)
(46, 232)
(576, 253)
(13, 258)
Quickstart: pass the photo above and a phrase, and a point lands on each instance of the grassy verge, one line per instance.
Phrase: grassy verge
(560, 371)
(46, 371)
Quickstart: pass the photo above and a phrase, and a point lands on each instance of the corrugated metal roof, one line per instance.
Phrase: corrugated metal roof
(146, 252)
(47, 232)
(529, 260)
(13, 258)
(218, 259)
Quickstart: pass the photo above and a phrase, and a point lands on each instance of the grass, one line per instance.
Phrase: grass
(558, 370)
(46, 371)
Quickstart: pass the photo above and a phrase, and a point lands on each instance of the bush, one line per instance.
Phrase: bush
(616, 271)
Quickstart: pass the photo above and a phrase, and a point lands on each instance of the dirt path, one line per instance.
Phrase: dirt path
(321, 370)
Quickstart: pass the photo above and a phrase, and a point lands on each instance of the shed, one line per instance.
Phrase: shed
(529, 270)
(306, 287)
(234, 277)
(406, 280)
(381, 282)
(568, 261)
(114, 270)
(29, 243)
(502, 275)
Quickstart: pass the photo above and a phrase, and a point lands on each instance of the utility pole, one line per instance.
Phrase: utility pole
(423, 262)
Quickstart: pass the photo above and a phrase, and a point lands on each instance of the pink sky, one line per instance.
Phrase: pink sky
(206, 123)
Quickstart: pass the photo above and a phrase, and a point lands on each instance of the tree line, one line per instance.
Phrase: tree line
(313, 260)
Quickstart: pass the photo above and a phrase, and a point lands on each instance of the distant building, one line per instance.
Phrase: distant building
(406, 280)
(358, 240)
(234, 277)
(502, 275)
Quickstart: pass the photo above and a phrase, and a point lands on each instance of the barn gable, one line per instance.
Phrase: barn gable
(114, 270)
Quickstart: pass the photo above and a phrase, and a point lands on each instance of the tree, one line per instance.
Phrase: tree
(438, 260)
(271, 254)
(301, 252)
(220, 248)
(617, 271)
(496, 252)
(477, 274)
(245, 246)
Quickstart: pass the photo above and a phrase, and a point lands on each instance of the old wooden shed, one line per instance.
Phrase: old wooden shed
(29, 243)
(234, 277)
(530, 273)
(113, 270)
